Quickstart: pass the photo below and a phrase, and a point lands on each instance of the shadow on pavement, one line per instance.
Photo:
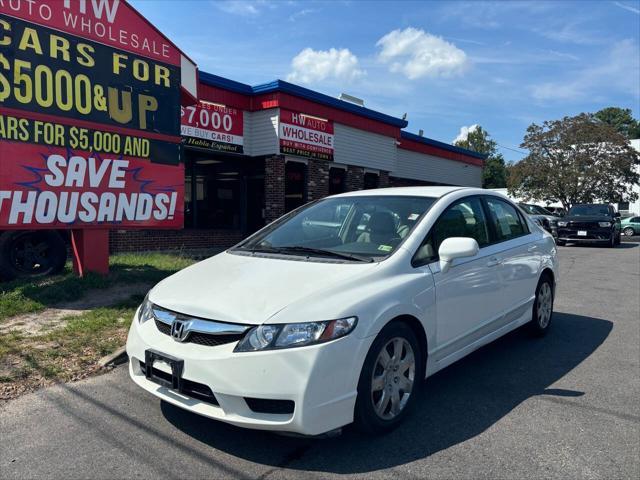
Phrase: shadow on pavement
(455, 405)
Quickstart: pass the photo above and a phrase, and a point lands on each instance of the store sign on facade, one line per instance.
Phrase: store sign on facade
(305, 135)
(212, 127)
(89, 118)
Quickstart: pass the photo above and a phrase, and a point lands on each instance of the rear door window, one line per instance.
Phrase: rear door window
(507, 223)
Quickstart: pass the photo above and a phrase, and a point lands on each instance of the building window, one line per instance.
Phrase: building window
(371, 180)
(295, 191)
(337, 180)
(220, 190)
(623, 206)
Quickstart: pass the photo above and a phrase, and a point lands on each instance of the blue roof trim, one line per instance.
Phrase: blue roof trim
(216, 81)
(444, 146)
(286, 87)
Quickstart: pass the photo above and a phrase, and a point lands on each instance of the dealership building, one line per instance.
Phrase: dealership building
(253, 153)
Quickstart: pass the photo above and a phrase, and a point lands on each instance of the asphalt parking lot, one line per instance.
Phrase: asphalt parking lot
(563, 406)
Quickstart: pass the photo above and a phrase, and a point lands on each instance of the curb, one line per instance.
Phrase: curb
(116, 358)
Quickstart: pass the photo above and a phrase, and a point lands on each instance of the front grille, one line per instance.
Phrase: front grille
(583, 225)
(163, 327)
(206, 339)
(265, 405)
(212, 340)
(193, 389)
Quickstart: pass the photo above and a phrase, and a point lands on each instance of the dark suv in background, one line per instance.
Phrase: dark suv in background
(590, 222)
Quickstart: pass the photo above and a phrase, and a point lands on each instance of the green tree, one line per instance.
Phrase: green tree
(494, 173)
(575, 160)
(621, 119)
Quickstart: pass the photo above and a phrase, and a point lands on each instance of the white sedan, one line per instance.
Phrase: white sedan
(337, 311)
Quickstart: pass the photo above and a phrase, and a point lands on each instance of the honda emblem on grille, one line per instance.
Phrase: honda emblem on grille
(178, 331)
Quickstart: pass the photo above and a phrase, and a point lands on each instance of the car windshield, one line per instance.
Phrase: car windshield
(534, 209)
(586, 210)
(359, 228)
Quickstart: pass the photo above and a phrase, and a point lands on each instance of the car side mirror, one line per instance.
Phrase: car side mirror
(456, 247)
(616, 215)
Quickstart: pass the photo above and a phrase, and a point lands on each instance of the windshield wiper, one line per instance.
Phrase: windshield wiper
(323, 252)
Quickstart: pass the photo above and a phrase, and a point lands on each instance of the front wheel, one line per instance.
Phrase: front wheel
(390, 377)
(542, 307)
(628, 232)
(612, 241)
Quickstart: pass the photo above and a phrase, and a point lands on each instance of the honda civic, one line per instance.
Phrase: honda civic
(335, 313)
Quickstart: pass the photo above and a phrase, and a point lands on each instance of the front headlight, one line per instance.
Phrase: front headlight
(604, 224)
(562, 223)
(146, 310)
(288, 335)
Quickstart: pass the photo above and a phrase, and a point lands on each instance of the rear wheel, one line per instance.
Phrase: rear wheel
(31, 253)
(390, 377)
(542, 307)
(628, 232)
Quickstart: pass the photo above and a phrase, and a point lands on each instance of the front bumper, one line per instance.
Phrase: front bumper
(593, 234)
(321, 380)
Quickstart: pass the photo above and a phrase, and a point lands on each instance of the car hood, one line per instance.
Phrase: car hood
(250, 289)
(587, 218)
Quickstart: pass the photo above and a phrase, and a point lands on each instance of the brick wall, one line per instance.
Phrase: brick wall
(318, 179)
(150, 240)
(383, 180)
(274, 181)
(355, 178)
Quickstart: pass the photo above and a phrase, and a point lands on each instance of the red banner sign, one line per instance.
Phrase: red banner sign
(305, 135)
(212, 127)
(55, 188)
(89, 117)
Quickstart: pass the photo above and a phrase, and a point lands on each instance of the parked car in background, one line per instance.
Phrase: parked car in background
(542, 217)
(557, 211)
(592, 222)
(630, 226)
(336, 312)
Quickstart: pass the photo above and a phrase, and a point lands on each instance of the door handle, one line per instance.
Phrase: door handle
(531, 248)
(493, 261)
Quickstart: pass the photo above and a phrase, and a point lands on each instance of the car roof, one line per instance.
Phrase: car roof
(432, 192)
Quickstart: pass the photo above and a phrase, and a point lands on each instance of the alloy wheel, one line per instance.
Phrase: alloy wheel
(545, 305)
(393, 378)
(628, 232)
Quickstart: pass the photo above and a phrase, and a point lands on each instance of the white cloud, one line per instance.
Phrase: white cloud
(464, 133)
(239, 7)
(302, 13)
(627, 7)
(619, 72)
(311, 66)
(416, 53)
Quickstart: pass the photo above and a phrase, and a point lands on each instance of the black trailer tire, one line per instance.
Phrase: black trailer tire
(31, 253)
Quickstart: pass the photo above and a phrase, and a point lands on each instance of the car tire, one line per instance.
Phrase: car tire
(619, 238)
(629, 232)
(31, 253)
(561, 243)
(612, 241)
(542, 311)
(379, 410)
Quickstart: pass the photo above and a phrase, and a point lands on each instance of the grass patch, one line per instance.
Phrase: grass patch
(67, 353)
(30, 296)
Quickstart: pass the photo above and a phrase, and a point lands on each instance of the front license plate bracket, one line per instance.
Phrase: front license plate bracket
(176, 365)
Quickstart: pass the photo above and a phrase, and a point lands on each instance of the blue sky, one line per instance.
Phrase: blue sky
(448, 65)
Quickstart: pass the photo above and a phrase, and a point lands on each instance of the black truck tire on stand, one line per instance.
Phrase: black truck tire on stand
(31, 253)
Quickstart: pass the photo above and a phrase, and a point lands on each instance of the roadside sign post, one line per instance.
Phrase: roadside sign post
(90, 250)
